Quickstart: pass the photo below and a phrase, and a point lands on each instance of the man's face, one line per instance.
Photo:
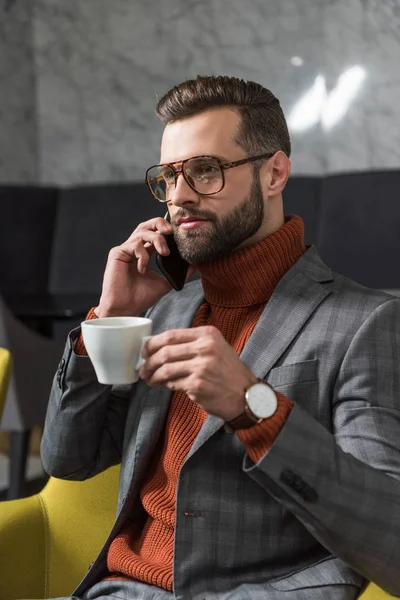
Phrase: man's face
(224, 221)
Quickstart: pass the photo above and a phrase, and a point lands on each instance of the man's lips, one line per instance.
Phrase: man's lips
(191, 222)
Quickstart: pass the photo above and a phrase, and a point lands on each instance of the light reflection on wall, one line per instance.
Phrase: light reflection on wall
(318, 105)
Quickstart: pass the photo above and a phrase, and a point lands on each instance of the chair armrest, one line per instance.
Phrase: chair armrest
(372, 592)
(22, 549)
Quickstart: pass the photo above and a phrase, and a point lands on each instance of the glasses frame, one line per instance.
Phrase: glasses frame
(224, 166)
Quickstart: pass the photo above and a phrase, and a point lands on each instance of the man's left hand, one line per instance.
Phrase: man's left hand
(201, 363)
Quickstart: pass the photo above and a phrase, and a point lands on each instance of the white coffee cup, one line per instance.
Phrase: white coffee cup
(114, 345)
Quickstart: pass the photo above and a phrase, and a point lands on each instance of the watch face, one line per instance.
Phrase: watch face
(262, 400)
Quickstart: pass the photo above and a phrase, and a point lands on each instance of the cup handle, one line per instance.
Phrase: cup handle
(141, 360)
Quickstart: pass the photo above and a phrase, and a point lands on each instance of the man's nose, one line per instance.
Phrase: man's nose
(183, 194)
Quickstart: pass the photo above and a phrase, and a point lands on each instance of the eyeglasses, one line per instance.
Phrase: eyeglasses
(204, 174)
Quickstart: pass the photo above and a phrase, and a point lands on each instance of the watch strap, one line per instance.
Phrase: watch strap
(245, 420)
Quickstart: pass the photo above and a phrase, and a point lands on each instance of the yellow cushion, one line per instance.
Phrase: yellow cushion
(5, 373)
(48, 541)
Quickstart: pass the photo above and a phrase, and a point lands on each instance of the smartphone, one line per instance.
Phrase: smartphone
(173, 267)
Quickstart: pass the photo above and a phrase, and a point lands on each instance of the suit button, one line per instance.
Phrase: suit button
(299, 485)
(60, 367)
(287, 476)
(59, 373)
(309, 494)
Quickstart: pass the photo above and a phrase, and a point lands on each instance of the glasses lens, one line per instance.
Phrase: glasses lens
(161, 179)
(204, 174)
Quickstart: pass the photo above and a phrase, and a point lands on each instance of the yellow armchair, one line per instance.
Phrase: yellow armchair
(48, 541)
(5, 373)
(372, 592)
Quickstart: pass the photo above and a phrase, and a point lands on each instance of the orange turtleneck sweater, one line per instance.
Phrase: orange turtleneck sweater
(236, 289)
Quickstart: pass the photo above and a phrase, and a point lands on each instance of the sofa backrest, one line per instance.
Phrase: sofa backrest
(90, 221)
(58, 240)
(27, 220)
(359, 227)
(301, 197)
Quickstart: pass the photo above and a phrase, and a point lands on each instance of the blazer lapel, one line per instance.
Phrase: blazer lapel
(294, 300)
(292, 304)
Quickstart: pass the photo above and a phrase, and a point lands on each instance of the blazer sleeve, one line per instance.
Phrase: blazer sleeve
(344, 485)
(85, 420)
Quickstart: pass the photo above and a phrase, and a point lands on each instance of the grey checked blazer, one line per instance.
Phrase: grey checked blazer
(321, 511)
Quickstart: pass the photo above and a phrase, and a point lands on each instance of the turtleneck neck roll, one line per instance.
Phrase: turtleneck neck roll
(249, 276)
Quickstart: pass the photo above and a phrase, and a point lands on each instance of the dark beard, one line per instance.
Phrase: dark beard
(223, 235)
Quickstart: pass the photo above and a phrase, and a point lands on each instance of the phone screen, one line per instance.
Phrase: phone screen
(173, 267)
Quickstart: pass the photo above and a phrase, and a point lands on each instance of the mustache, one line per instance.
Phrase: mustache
(184, 214)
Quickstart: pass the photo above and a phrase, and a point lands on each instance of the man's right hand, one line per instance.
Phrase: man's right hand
(129, 286)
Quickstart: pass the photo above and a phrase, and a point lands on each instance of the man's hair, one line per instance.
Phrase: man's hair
(263, 125)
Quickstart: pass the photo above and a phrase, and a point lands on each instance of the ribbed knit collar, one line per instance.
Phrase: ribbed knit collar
(250, 275)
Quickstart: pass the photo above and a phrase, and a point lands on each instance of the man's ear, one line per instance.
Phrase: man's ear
(279, 170)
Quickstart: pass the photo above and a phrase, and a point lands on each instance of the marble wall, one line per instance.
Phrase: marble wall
(365, 33)
(100, 67)
(18, 133)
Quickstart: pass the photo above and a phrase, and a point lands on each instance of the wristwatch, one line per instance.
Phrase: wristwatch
(261, 403)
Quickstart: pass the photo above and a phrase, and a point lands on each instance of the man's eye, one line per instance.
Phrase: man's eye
(209, 168)
(168, 175)
(205, 169)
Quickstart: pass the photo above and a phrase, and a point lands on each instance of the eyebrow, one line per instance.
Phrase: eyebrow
(176, 162)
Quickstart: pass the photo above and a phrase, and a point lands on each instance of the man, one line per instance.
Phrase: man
(260, 453)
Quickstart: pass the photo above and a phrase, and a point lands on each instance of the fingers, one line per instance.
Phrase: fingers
(165, 356)
(174, 353)
(157, 224)
(140, 246)
(148, 237)
(203, 336)
(144, 245)
(168, 373)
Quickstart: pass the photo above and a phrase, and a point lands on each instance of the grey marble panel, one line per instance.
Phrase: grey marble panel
(18, 156)
(102, 65)
(382, 99)
(366, 33)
